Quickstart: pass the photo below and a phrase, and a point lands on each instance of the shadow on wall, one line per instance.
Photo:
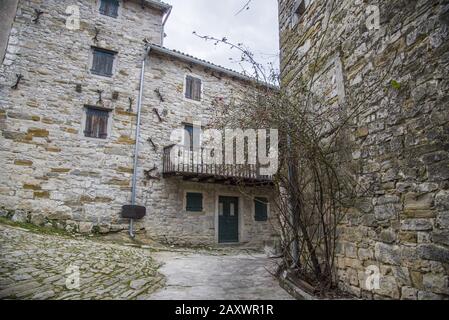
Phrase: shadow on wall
(8, 10)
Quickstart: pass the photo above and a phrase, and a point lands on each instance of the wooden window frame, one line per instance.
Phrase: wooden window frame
(189, 91)
(114, 14)
(94, 65)
(95, 133)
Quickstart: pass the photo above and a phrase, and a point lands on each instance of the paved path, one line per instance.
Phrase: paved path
(36, 266)
(42, 266)
(218, 277)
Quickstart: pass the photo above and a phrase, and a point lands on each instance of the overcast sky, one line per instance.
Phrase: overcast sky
(257, 28)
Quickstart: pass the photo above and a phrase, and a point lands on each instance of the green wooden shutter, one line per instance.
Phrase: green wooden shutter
(261, 209)
(194, 202)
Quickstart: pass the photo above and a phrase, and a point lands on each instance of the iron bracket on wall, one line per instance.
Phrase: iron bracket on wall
(149, 176)
(19, 78)
(159, 95)
(131, 101)
(97, 32)
(153, 144)
(38, 14)
(158, 115)
(100, 99)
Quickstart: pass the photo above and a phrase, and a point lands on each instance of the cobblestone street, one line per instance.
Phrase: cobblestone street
(35, 266)
(41, 266)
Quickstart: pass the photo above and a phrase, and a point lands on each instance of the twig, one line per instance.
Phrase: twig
(245, 7)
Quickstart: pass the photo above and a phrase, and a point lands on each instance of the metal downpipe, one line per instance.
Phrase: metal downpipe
(136, 148)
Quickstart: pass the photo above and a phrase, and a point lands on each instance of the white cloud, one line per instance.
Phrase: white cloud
(256, 28)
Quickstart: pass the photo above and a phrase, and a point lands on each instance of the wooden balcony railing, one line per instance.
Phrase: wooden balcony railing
(193, 165)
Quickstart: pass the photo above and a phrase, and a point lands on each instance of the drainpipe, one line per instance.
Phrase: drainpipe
(163, 26)
(136, 148)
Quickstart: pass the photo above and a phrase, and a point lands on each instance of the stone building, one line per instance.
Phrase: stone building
(69, 87)
(398, 51)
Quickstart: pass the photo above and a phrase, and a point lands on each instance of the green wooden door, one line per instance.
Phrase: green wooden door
(228, 219)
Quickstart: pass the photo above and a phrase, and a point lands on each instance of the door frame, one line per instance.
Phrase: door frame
(240, 218)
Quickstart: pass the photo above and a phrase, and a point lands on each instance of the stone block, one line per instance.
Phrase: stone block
(408, 237)
(388, 236)
(19, 216)
(439, 171)
(385, 212)
(85, 227)
(426, 295)
(408, 293)
(416, 225)
(436, 283)
(26, 163)
(442, 200)
(433, 252)
(38, 133)
(388, 287)
(441, 237)
(389, 254)
(413, 201)
(365, 254)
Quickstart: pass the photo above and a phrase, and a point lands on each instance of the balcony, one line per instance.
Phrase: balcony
(190, 164)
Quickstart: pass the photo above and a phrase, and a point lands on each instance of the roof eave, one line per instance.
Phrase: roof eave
(164, 7)
(205, 64)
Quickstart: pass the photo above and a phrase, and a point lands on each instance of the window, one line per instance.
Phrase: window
(192, 137)
(193, 88)
(261, 209)
(194, 202)
(96, 123)
(299, 8)
(109, 8)
(102, 62)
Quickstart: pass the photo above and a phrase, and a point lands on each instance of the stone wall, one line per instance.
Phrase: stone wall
(7, 13)
(397, 74)
(48, 168)
(51, 174)
(167, 216)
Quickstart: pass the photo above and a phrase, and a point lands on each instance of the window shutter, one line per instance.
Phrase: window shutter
(96, 62)
(103, 127)
(261, 209)
(194, 202)
(113, 8)
(108, 62)
(197, 90)
(103, 62)
(193, 88)
(103, 6)
(96, 123)
(189, 87)
(188, 136)
(88, 132)
(109, 8)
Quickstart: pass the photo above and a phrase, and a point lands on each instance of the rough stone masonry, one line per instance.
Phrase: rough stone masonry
(397, 71)
(51, 174)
